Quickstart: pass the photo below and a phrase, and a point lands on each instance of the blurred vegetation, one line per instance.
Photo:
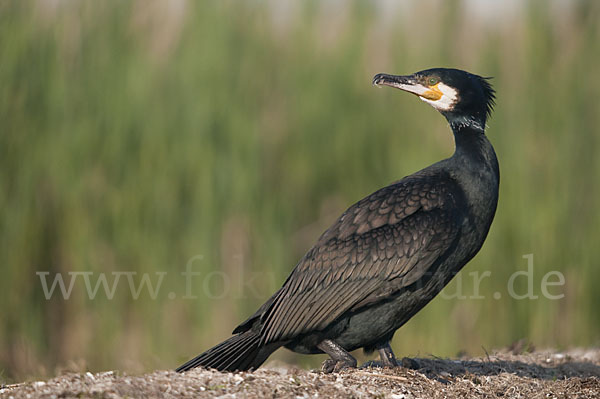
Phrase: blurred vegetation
(143, 135)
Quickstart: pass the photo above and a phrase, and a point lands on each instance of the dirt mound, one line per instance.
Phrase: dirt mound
(533, 375)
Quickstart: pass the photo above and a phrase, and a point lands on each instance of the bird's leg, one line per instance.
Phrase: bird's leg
(340, 358)
(387, 355)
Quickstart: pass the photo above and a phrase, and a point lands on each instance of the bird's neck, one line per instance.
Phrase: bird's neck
(474, 163)
(472, 146)
(475, 167)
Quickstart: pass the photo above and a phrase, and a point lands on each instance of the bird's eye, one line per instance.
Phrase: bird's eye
(432, 80)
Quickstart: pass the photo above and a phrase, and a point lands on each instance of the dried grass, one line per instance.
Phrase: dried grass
(573, 374)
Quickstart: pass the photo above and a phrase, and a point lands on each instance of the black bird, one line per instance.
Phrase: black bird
(390, 253)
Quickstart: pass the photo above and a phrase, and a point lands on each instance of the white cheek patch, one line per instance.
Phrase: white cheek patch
(447, 101)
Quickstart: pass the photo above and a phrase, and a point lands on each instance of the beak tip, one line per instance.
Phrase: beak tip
(377, 79)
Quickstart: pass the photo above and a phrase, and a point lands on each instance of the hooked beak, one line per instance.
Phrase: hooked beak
(407, 83)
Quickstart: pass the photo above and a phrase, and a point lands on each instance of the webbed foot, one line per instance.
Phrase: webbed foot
(332, 366)
(340, 358)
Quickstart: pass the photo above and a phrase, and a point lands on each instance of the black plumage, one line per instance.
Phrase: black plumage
(389, 254)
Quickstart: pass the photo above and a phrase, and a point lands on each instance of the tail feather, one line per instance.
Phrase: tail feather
(241, 352)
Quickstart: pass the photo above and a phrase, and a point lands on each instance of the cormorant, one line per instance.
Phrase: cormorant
(390, 253)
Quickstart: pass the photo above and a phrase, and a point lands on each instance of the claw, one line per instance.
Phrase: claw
(328, 366)
(332, 366)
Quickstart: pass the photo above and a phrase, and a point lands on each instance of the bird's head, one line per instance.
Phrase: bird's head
(460, 96)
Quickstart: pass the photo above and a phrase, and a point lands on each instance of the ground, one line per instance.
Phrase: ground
(549, 374)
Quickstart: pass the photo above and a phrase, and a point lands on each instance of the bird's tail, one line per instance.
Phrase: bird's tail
(241, 352)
